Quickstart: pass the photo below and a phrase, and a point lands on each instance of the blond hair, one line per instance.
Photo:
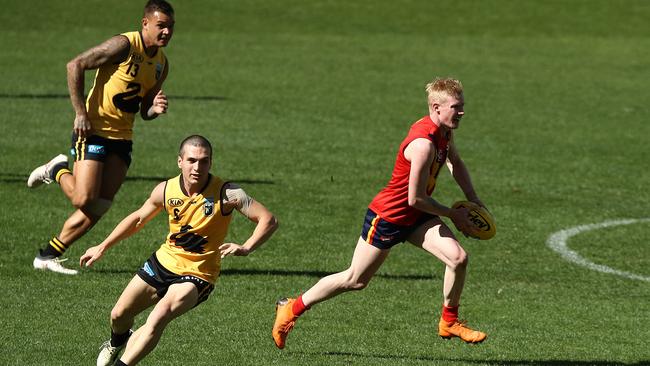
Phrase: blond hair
(442, 88)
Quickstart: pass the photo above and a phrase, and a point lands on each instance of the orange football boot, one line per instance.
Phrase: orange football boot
(284, 321)
(447, 330)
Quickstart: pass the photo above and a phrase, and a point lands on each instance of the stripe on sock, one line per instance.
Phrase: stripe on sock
(60, 173)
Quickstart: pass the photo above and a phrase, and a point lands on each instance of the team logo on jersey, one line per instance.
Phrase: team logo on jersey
(208, 206)
(174, 202)
(159, 70)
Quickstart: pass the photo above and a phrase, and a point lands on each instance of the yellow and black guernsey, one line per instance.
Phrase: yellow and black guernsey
(197, 227)
(119, 88)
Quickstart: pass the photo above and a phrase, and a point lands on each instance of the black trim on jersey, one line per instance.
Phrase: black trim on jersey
(182, 186)
(165, 196)
(223, 191)
(144, 46)
(206, 183)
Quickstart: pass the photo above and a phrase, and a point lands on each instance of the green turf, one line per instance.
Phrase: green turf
(306, 103)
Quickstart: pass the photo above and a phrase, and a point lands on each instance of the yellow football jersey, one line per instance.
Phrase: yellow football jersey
(119, 88)
(197, 228)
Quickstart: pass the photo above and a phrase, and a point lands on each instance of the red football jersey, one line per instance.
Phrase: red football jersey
(391, 204)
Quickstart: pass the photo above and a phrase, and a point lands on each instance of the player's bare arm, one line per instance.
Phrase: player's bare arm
(155, 101)
(114, 50)
(461, 175)
(128, 226)
(420, 152)
(266, 225)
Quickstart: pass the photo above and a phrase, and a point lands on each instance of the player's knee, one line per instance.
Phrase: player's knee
(460, 260)
(97, 207)
(118, 314)
(82, 199)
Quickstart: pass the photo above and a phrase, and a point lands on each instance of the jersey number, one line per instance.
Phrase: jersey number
(133, 69)
(128, 101)
(191, 242)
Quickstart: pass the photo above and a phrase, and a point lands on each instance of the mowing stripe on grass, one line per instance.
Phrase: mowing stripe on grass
(558, 242)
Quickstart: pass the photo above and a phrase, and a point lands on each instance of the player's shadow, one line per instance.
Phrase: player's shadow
(13, 178)
(478, 362)
(274, 272)
(67, 96)
(22, 178)
(235, 180)
(316, 274)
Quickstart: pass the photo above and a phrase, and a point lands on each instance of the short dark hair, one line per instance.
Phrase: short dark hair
(195, 140)
(158, 5)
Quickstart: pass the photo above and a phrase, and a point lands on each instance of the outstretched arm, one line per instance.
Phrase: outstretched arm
(128, 226)
(114, 50)
(257, 213)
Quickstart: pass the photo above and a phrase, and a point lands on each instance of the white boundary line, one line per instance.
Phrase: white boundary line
(558, 242)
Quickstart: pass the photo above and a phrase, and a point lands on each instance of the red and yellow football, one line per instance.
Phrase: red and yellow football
(483, 224)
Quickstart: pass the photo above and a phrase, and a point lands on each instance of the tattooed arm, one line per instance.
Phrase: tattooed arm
(114, 50)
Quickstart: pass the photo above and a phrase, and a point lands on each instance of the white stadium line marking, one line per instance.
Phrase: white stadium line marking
(558, 242)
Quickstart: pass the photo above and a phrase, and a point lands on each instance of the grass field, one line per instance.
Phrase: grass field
(306, 103)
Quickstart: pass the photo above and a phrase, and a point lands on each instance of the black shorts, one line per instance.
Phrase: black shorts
(95, 147)
(158, 277)
(383, 234)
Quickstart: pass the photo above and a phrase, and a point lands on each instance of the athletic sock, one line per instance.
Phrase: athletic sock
(299, 307)
(120, 363)
(59, 171)
(54, 249)
(118, 340)
(450, 313)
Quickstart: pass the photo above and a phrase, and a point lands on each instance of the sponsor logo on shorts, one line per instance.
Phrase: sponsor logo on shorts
(147, 268)
(174, 202)
(208, 206)
(385, 238)
(96, 149)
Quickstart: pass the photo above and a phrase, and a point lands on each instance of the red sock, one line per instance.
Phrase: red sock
(450, 313)
(298, 307)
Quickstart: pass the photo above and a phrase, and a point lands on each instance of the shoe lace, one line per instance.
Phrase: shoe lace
(107, 346)
(59, 260)
(463, 324)
(287, 326)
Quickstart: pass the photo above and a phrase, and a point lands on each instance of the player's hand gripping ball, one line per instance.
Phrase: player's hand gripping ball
(483, 225)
